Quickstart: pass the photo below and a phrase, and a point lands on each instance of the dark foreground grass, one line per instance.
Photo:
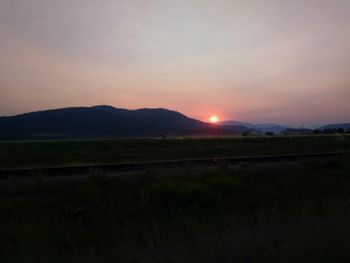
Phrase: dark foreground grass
(38, 154)
(296, 212)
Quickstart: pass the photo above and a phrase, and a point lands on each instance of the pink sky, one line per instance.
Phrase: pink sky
(285, 61)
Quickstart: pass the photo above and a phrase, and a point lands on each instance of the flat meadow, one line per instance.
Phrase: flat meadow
(57, 153)
(271, 212)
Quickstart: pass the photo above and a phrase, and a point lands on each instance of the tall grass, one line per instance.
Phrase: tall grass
(261, 213)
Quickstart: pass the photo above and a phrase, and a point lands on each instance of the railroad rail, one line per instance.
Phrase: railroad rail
(68, 171)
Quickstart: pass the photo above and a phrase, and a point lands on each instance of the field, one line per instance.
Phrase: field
(39, 154)
(281, 212)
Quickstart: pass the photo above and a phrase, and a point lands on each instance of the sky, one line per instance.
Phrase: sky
(282, 61)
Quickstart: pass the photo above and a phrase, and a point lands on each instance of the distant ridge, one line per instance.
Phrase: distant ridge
(345, 126)
(262, 127)
(297, 131)
(104, 122)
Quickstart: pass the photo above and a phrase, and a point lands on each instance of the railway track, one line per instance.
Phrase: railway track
(69, 171)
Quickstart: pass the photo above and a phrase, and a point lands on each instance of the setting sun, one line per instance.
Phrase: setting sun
(214, 119)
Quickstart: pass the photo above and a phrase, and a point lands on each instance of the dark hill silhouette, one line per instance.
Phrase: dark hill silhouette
(103, 122)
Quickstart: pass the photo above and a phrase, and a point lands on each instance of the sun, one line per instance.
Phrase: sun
(213, 119)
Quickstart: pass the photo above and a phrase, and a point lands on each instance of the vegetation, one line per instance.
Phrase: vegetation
(53, 153)
(331, 131)
(295, 212)
(263, 213)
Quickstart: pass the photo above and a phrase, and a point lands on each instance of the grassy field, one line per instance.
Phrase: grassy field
(281, 212)
(298, 212)
(38, 154)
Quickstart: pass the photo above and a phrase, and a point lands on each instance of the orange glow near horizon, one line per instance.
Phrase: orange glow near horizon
(254, 61)
(213, 119)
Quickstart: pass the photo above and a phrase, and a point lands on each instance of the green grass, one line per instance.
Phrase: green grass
(38, 154)
(298, 212)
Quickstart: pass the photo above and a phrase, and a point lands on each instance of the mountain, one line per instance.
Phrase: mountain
(103, 122)
(297, 131)
(345, 126)
(239, 129)
(263, 127)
